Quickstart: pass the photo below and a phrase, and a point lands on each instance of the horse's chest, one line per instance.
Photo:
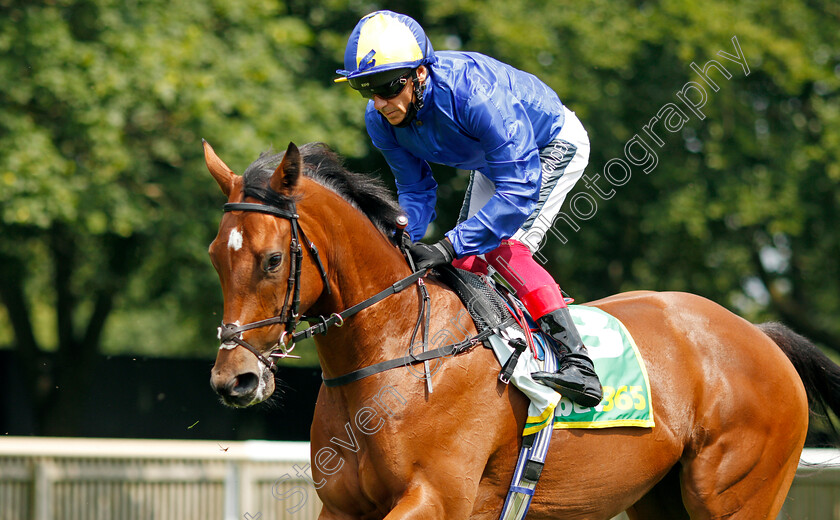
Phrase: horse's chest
(357, 485)
(346, 465)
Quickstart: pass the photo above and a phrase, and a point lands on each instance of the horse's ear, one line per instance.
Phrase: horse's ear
(285, 177)
(220, 171)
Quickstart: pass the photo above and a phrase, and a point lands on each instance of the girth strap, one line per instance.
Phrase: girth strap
(529, 466)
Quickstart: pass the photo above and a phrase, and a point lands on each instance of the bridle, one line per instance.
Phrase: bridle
(231, 333)
(289, 315)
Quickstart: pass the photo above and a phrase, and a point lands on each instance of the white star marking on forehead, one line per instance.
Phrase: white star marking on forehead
(235, 239)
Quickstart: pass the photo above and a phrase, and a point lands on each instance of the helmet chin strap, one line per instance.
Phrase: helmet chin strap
(417, 102)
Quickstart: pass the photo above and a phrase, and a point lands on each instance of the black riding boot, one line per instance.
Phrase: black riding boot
(575, 377)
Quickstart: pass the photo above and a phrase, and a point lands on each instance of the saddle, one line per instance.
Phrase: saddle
(482, 300)
(490, 311)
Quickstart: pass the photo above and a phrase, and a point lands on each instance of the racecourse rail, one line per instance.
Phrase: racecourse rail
(127, 479)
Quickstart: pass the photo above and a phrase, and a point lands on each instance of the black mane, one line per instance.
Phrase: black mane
(365, 192)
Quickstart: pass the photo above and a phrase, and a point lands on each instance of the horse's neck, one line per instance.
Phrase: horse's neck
(361, 260)
(362, 263)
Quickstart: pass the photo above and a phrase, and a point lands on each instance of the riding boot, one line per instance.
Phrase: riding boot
(575, 377)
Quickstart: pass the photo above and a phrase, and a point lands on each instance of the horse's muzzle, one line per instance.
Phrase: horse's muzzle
(241, 390)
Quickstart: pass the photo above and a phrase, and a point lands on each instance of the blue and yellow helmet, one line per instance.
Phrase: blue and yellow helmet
(385, 44)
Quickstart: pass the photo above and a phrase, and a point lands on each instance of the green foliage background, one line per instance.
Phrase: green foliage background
(106, 208)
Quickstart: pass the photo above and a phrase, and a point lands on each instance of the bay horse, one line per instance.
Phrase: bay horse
(731, 399)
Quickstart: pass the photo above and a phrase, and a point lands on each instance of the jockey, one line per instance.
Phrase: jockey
(524, 148)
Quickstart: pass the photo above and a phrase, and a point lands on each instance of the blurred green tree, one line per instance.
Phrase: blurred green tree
(741, 205)
(106, 209)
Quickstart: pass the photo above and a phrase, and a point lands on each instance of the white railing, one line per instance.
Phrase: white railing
(815, 494)
(115, 479)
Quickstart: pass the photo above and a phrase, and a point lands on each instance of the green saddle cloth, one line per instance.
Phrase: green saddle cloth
(617, 362)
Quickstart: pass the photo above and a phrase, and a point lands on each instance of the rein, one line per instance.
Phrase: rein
(231, 334)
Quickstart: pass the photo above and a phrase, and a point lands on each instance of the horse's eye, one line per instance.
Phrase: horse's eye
(272, 262)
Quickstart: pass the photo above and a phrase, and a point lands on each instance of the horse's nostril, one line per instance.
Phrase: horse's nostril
(244, 384)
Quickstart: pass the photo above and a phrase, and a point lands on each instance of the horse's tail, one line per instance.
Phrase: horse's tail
(819, 374)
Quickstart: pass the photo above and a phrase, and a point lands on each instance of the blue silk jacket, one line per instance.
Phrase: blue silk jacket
(478, 114)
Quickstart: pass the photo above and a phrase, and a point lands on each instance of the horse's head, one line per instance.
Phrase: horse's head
(258, 254)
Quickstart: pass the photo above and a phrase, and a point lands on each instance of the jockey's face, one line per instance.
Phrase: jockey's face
(396, 108)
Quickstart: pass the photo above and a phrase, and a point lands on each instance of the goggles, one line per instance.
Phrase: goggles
(387, 90)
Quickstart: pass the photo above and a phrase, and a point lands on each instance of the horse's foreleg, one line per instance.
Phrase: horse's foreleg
(422, 501)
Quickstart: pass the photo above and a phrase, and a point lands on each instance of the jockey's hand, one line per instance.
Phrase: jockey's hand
(426, 256)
